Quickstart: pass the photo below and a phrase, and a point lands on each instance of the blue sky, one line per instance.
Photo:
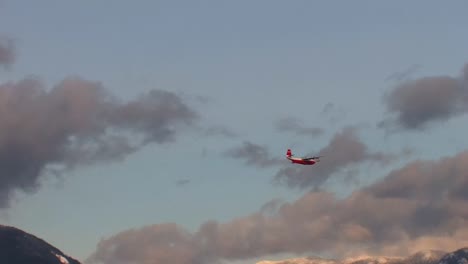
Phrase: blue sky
(253, 62)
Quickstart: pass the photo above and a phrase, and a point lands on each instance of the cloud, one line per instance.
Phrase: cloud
(7, 52)
(404, 75)
(77, 122)
(422, 205)
(294, 125)
(417, 103)
(344, 149)
(333, 113)
(182, 182)
(253, 154)
(162, 243)
(220, 131)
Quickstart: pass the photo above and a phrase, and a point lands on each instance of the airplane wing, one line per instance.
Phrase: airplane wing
(312, 158)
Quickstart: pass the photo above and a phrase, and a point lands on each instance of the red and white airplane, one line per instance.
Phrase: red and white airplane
(302, 160)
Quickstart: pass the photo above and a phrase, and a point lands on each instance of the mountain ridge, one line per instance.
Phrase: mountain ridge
(459, 256)
(20, 247)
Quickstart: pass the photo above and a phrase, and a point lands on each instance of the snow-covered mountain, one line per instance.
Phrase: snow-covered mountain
(19, 247)
(457, 257)
(424, 257)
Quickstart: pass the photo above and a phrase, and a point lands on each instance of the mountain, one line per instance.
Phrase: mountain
(19, 247)
(457, 257)
(424, 257)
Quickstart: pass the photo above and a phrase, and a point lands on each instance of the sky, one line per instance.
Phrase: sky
(142, 131)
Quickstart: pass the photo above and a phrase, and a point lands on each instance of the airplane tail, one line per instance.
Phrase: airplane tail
(289, 153)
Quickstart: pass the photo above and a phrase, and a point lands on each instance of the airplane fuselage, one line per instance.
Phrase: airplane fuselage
(301, 161)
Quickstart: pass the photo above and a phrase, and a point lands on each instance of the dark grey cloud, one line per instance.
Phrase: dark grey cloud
(417, 103)
(7, 52)
(77, 122)
(253, 154)
(420, 206)
(294, 125)
(344, 149)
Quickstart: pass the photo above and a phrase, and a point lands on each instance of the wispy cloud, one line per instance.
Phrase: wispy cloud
(294, 125)
(220, 131)
(333, 113)
(182, 182)
(7, 52)
(405, 74)
(253, 154)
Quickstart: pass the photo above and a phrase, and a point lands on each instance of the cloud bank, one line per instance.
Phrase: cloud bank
(76, 122)
(422, 205)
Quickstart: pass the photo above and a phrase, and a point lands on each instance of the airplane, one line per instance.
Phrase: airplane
(302, 160)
